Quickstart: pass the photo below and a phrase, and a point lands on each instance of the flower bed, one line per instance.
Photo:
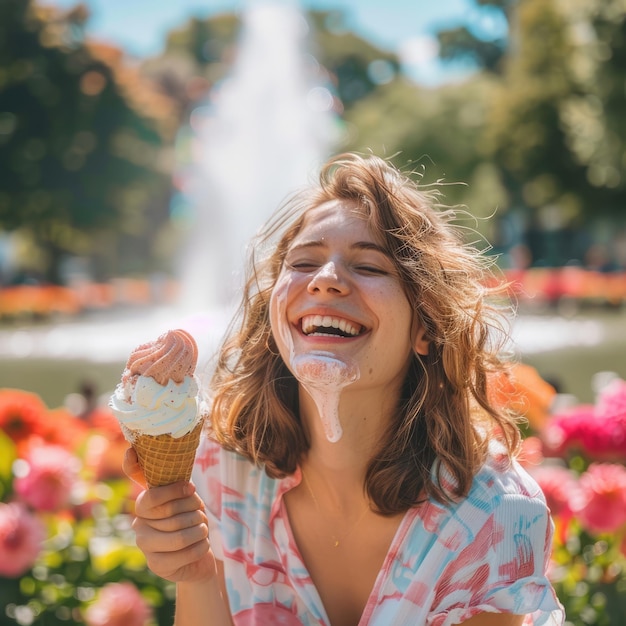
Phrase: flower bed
(67, 551)
(578, 458)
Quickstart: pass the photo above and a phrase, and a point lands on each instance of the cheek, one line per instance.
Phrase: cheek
(395, 305)
(278, 312)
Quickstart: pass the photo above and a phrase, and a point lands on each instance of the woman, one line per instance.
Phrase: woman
(355, 471)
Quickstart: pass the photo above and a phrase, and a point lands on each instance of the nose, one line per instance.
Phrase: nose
(327, 279)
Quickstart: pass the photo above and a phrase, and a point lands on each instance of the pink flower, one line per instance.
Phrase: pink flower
(612, 399)
(46, 477)
(602, 507)
(21, 535)
(559, 486)
(569, 428)
(118, 604)
(599, 431)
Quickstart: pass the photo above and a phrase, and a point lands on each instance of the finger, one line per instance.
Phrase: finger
(167, 501)
(152, 541)
(178, 522)
(132, 469)
(171, 562)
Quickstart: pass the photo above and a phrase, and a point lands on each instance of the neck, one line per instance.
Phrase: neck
(337, 492)
(360, 418)
(336, 470)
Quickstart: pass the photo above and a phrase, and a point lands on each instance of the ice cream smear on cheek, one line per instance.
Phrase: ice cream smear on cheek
(323, 374)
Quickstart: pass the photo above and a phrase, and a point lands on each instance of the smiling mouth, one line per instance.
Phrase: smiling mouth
(324, 325)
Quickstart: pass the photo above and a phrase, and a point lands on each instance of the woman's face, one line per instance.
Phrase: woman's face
(339, 293)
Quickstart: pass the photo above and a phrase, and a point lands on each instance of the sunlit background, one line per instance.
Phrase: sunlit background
(144, 142)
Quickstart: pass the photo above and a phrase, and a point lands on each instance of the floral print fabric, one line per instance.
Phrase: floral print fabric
(486, 553)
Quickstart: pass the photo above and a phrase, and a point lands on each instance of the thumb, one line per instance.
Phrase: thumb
(132, 469)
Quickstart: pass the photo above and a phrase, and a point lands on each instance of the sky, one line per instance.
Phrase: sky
(402, 26)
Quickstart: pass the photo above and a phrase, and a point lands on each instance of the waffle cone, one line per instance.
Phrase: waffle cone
(165, 459)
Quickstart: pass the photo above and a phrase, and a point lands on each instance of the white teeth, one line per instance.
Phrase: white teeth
(310, 323)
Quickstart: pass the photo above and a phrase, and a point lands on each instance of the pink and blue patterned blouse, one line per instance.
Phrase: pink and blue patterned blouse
(488, 552)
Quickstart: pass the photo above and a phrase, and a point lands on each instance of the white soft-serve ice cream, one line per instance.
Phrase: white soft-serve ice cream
(156, 405)
(143, 406)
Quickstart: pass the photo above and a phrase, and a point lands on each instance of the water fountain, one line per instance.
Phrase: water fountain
(263, 132)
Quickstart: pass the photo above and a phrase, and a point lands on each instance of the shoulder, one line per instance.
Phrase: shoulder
(494, 546)
(502, 479)
(503, 498)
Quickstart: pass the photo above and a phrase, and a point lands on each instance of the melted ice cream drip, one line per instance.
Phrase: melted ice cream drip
(322, 374)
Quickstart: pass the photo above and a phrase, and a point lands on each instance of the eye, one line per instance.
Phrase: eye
(302, 265)
(371, 269)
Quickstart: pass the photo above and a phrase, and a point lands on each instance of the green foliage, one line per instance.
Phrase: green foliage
(553, 125)
(438, 133)
(462, 43)
(538, 131)
(71, 147)
(351, 60)
(207, 42)
(591, 584)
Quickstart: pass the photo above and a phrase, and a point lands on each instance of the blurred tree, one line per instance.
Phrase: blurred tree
(439, 134)
(594, 115)
(357, 67)
(201, 53)
(554, 129)
(196, 56)
(470, 43)
(75, 157)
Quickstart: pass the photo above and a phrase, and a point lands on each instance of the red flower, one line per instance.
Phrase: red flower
(65, 429)
(21, 536)
(103, 420)
(26, 420)
(22, 415)
(603, 498)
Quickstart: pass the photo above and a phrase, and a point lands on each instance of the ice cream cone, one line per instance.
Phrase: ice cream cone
(166, 459)
(156, 405)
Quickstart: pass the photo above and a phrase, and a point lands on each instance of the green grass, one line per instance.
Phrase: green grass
(53, 380)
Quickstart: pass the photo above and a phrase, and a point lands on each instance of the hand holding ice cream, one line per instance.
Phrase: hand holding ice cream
(157, 407)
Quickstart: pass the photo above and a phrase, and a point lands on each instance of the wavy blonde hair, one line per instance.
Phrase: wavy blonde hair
(444, 418)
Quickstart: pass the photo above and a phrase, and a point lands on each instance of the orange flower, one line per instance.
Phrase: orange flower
(27, 421)
(106, 445)
(522, 390)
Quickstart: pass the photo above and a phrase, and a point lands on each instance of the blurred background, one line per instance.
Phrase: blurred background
(144, 142)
